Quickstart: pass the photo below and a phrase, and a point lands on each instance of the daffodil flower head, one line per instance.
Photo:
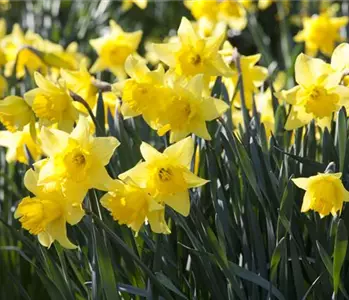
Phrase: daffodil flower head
(79, 157)
(193, 54)
(318, 94)
(16, 144)
(15, 113)
(47, 213)
(52, 103)
(253, 76)
(324, 194)
(320, 33)
(131, 205)
(114, 48)
(81, 83)
(143, 92)
(167, 175)
(17, 54)
(188, 109)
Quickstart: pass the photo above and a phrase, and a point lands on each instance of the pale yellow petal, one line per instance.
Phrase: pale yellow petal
(138, 174)
(306, 202)
(301, 182)
(53, 141)
(180, 202)
(166, 52)
(58, 231)
(186, 32)
(103, 148)
(149, 153)
(31, 181)
(297, 118)
(157, 222)
(308, 69)
(182, 152)
(340, 57)
(192, 180)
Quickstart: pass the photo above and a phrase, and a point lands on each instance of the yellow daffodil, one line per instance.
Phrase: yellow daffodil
(127, 4)
(15, 47)
(3, 86)
(16, 143)
(320, 33)
(166, 176)
(81, 83)
(324, 194)
(132, 205)
(253, 76)
(143, 93)
(52, 103)
(114, 48)
(79, 157)
(264, 4)
(318, 94)
(47, 213)
(232, 13)
(193, 54)
(188, 109)
(15, 113)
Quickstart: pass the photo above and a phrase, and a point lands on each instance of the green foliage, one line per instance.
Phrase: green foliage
(245, 237)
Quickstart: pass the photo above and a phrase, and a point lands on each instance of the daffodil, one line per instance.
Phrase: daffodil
(17, 142)
(232, 13)
(114, 48)
(132, 205)
(127, 4)
(81, 83)
(47, 213)
(18, 54)
(264, 4)
(324, 194)
(188, 109)
(193, 54)
(15, 113)
(143, 93)
(321, 33)
(79, 157)
(166, 176)
(318, 94)
(52, 103)
(253, 76)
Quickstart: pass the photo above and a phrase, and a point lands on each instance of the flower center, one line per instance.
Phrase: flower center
(35, 214)
(50, 107)
(165, 174)
(321, 103)
(114, 53)
(76, 162)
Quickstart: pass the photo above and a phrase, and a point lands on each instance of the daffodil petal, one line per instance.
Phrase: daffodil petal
(179, 202)
(192, 180)
(149, 153)
(103, 148)
(301, 182)
(181, 151)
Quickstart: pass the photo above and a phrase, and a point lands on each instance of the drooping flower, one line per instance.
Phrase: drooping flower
(132, 205)
(193, 54)
(318, 94)
(321, 33)
(52, 103)
(18, 54)
(114, 48)
(188, 109)
(79, 157)
(15, 113)
(47, 213)
(324, 194)
(166, 176)
(253, 76)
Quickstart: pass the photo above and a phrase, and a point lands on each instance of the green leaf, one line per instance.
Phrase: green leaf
(339, 253)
